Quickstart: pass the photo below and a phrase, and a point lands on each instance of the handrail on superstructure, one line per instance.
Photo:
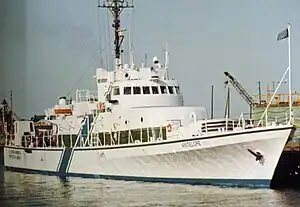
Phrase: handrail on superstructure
(85, 95)
(148, 134)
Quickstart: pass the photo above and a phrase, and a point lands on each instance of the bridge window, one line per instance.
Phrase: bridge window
(154, 89)
(102, 80)
(177, 89)
(116, 91)
(146, 90)
(127, 90)
(136, 90)
(171, 91)
(163, 89)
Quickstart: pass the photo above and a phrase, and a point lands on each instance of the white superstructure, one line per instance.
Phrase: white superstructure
(136, 127)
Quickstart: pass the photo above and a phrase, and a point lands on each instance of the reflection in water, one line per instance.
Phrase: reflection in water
(38, 190)
(64, 180)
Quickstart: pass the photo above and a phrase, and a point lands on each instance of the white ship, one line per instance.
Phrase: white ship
(137, 128)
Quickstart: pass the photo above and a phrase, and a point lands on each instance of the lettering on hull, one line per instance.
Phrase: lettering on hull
(189, 144)
(14, 154)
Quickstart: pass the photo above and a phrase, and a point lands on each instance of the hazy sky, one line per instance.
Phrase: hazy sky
(46, 46)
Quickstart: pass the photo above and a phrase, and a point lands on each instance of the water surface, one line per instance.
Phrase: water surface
(19, 189)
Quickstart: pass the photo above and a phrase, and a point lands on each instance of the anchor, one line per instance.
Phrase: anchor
(258, 156)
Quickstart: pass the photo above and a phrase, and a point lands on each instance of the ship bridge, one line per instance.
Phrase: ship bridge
(146, 93)
(129, 86)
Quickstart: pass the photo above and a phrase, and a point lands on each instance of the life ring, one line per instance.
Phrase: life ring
(169, 127)
(101, 107)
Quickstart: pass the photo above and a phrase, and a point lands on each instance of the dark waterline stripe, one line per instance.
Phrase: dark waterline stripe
(242, 183)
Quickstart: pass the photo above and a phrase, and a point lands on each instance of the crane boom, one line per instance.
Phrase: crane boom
(240, 89)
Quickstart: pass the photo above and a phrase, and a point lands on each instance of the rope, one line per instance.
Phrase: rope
(80, 78)
(95, 58)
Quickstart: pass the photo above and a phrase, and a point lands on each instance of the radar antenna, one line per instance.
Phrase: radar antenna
(116, 7)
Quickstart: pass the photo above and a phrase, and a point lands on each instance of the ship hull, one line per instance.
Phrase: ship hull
(244, 159)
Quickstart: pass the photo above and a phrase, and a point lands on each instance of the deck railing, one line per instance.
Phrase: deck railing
(115, 136)
(86, 96)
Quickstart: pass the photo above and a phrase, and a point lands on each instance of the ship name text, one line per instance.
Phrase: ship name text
(195, 143)
(14, 154)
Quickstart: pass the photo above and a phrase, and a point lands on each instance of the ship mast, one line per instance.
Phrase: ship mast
(116, 7)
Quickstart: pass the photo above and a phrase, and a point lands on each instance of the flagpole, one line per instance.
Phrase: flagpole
(290, 80)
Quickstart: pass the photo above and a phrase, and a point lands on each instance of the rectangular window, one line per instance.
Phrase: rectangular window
(136, 90)
(177, 89)
(127, 90)
(31, 127)
(154, 90)
(171, 91)
(103, 80)
(116, 91)
(146, 90)
(163, 89)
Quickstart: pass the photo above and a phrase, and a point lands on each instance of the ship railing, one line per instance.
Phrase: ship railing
(44, 141)
(241, 121)
(223, 125)
(91, 134)
(86, 96)
(271, 119)
(41, 140)
(119, 137)
(9, 139)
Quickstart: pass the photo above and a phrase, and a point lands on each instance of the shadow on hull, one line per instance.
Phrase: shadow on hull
(287, 173)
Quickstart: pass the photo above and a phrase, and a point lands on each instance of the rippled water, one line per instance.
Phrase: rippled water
(19, 189)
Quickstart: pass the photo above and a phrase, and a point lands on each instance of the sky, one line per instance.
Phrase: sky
(48, 47)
